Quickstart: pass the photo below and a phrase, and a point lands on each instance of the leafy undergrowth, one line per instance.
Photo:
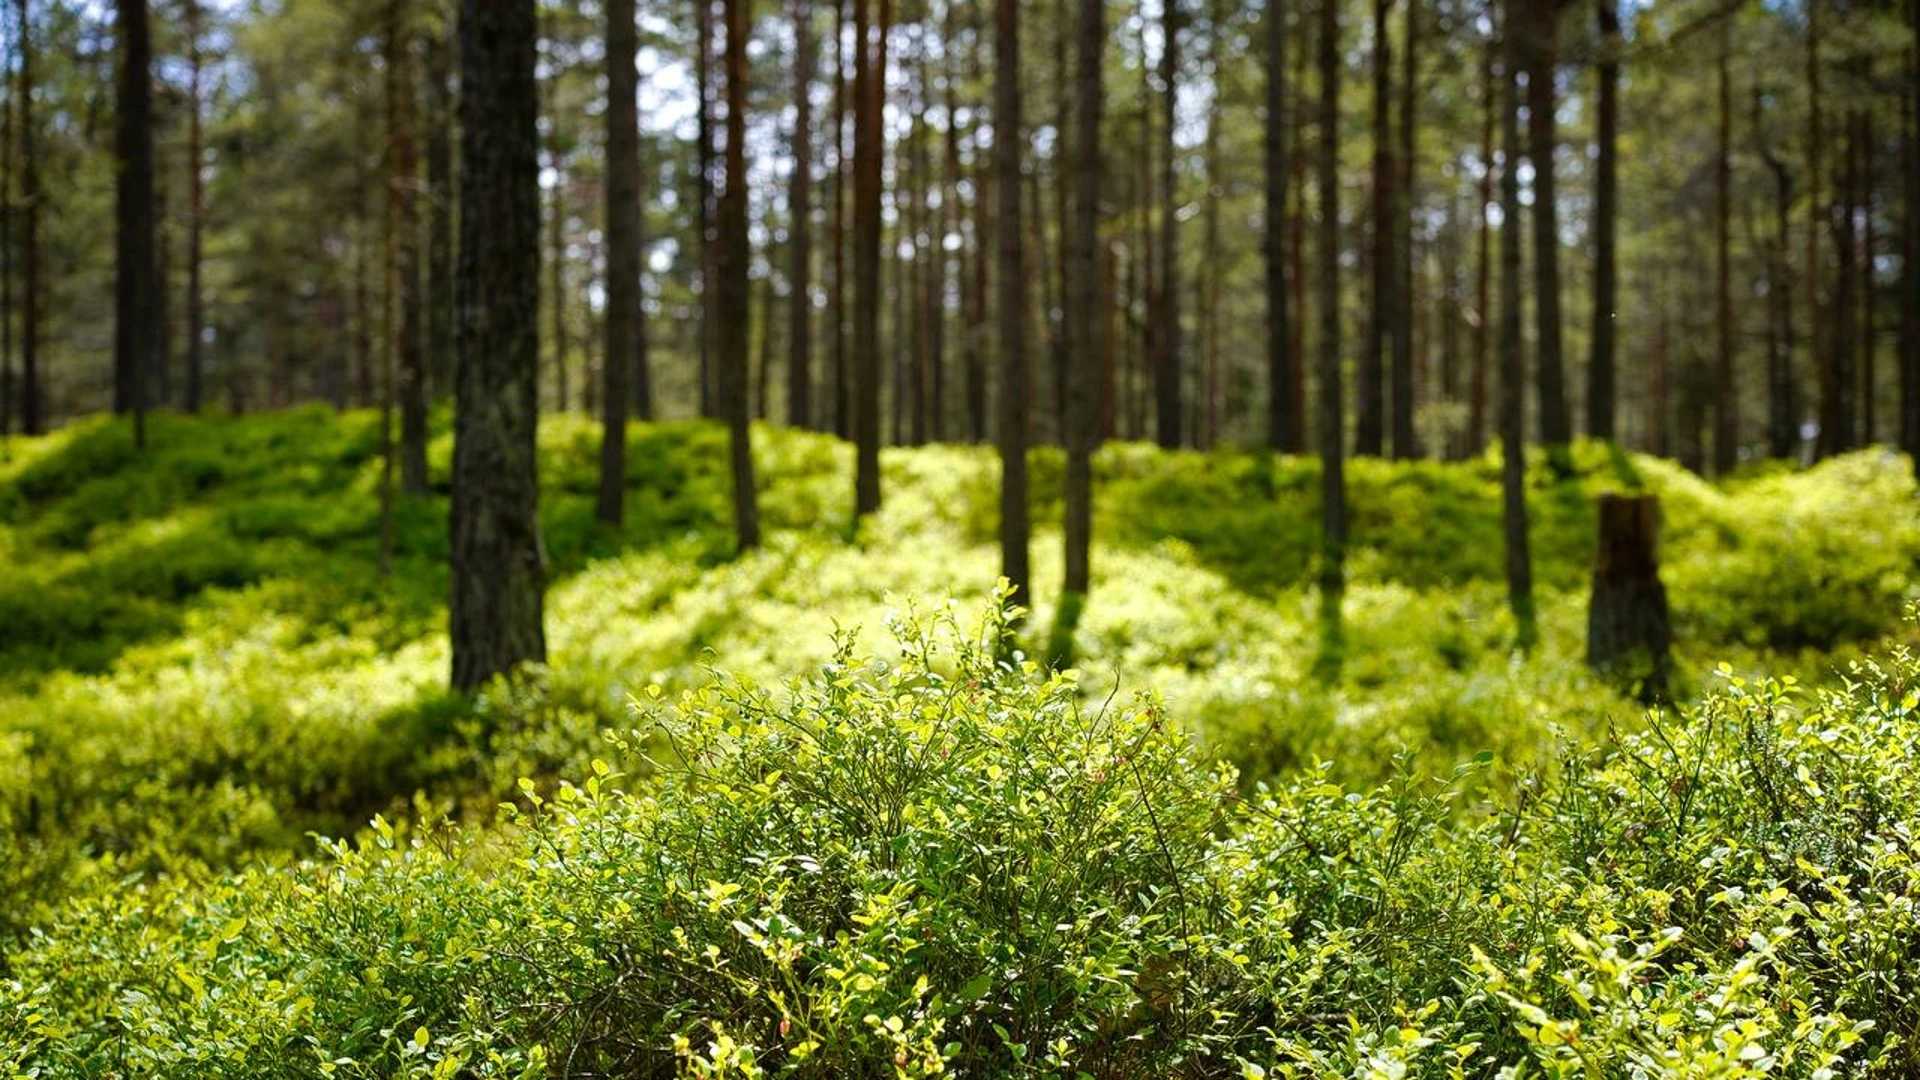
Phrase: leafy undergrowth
(932, 861)
(199, 668)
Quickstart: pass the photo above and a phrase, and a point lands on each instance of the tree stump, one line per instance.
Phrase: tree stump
(1629, 635)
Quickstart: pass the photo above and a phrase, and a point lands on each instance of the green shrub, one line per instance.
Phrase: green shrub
(945, 863)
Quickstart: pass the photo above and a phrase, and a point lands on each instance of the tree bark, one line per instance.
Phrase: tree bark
(1629, 634)
(704, 209)
(497, 557)
(1370, 388)
(1008, 134)
(1083, 320)
(1783, 432)
(1556, 427)
(1726, 425)
(32, 398)
(1281, 406)
(8, 132)
(134, 260)
(1404, 378)
(869, 76)
(1817, 211)
(735, 318)
(623, 256)
(1910, 265)
(1333, 487)
(1167, 363)
(440, 198)
(403, 183)
(196, 213)
(1513, 445)
(800, 206)
(1606, 214)
(1491, 96)
(840, 377)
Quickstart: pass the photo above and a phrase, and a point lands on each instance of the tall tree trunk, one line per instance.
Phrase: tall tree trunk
(800, 205)
(869, 92)
(32, 398)
(403, 184)
(196, 213)
(841, 378)
(1868, 382)
(440, 195)
(160, 349)
(974, 256)
(1782, 408)
(1726, 428)
(1513, 445)
(1281, 406)
(704, 208)
(1333, 485)
(1910, 264)
(1817, 211)
(1405, 373)
(1838, 406)
(499, 564)
(134, 262)
(1659, 395)
(623, 256)
(557, 267)
(735, 319)
(1167, 363)
(1606, 215)
(1491, 96)
(1303, 52)
(1015, 382)
(1556, 426)
(1370, 382)
(1083, 319)
(8, 132)
(1212, 404)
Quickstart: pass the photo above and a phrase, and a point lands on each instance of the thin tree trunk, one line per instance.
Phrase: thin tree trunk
(1083, 317)
(623, 256)
(1839, 406)
(1782, 420)
(32, 400)
(975, 257)
(1483, 263)
(403, 183)
(1211, 404)
(134, 273)
(8, 131)
(1167, 362)
(196, 213)
(1659, 397)
(1333, 487)
(1910, 264)
(842, 379)
(499, 565)
(1370, 389)
(1606, 214)
(800, 205)
(1513, 447)
(1726, 429)
(1556, 427)
(870, 74)
(704, 208)
(1817, 211)
(1282, 435)
(440, 224)
(735, 318)
(1015, 381)
(1406, 371)
(1297, 229)
(1869, 244)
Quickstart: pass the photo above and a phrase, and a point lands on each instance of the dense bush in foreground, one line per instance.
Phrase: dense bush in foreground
(945, 863)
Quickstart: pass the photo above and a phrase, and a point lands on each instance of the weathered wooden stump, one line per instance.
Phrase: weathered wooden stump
(1629, 635)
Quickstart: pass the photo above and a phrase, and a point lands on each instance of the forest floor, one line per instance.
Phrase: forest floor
(200, 667)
